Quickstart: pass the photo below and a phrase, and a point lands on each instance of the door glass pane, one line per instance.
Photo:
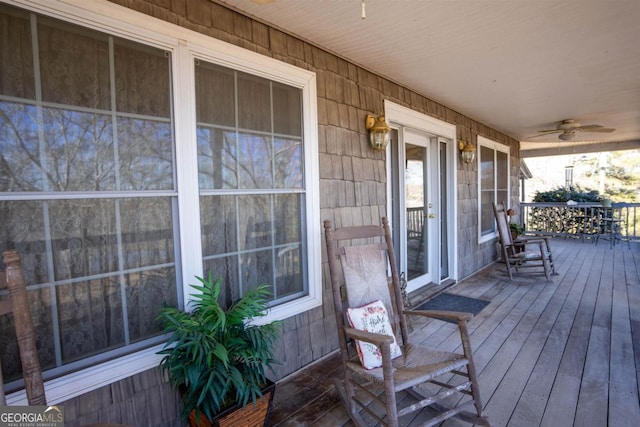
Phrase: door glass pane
(444, 214)
(415, 196)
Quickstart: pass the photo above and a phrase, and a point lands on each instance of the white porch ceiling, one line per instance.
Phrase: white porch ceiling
(516, 65)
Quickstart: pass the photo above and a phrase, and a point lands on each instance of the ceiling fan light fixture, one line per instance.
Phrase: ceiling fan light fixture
(567, 136)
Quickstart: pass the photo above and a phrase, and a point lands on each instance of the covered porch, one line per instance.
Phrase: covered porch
(549, 354)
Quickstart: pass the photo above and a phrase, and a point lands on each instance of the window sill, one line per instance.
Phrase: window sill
(75, 384)
(86, 380)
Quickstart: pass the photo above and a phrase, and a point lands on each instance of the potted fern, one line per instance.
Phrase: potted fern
(216, 357)
(516, 230)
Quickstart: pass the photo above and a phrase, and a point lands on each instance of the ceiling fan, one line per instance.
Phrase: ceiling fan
(568, 129)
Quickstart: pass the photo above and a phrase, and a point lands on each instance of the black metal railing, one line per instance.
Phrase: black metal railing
(583, 220)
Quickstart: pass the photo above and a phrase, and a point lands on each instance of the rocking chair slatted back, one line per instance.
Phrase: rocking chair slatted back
(337, 257)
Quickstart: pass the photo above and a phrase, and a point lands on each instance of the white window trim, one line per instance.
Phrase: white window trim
(496, 146)
(186, 45)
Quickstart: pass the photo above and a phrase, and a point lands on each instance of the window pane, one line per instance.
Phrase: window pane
(79, 151)
(256, 229)
(255, 167)
(217, 158)
(146, 291)
(289, 254)
(254, 103)
(19, 150)
(289, 271)
(502, 197)
(288, 163)
(487, 169)
(287, 110)
(502, 171)
(256, 268)
(40, 305)
(139, 68)
(227, 270)
(146, 234)
(90, 314)
(83, 237)
(288, 211)
(218, 225)
(16, 56)
(74, 65)
(487, 193)
(215, 95)
(145, 154)
(487, 225)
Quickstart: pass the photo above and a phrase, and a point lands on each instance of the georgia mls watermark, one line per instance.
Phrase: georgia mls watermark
(31, 416)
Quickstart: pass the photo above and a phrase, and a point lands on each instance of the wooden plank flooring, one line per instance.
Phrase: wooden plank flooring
(565, 353)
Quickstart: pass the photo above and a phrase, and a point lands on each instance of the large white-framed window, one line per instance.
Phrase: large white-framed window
(493, 184)
(122, 164)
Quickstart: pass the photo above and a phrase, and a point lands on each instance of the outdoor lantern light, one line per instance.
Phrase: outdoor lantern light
(379, 132)
(467, 151)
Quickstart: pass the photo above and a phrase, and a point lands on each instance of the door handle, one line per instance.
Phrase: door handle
(432, 215)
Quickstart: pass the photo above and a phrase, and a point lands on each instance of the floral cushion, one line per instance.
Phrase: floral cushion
(372, 317)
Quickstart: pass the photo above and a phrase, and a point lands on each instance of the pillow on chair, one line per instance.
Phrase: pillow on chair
(372, 317)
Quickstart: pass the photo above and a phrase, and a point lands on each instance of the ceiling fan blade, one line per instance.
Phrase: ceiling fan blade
(598, 129)
(585, 127)
(537, 136)
(547, 131)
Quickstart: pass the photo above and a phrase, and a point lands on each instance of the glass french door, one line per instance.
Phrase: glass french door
(418, 240)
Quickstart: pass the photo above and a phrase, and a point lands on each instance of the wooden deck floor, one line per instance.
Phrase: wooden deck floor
(565, 353)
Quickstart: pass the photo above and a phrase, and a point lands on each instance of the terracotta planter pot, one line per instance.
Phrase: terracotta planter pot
(251, 415)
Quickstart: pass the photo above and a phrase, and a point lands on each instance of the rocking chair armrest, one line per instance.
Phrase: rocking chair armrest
(541, 243)
(533, 239)
(523, 243)
(537, 239)
(370, 337)
(453, 315)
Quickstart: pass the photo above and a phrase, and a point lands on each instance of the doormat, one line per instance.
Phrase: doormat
(452, 302)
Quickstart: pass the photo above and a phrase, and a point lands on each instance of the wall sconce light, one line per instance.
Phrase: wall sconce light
(379, 132)
(467, 151)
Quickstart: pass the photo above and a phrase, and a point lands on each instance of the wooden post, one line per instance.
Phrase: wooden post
(24, 329)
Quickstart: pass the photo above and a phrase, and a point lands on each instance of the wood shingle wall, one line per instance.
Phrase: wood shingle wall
(353, 177)
(145, 399)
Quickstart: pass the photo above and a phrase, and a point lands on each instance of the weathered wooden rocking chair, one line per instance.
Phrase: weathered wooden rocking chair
(526, 252)
(18, 304)
(360, 287)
